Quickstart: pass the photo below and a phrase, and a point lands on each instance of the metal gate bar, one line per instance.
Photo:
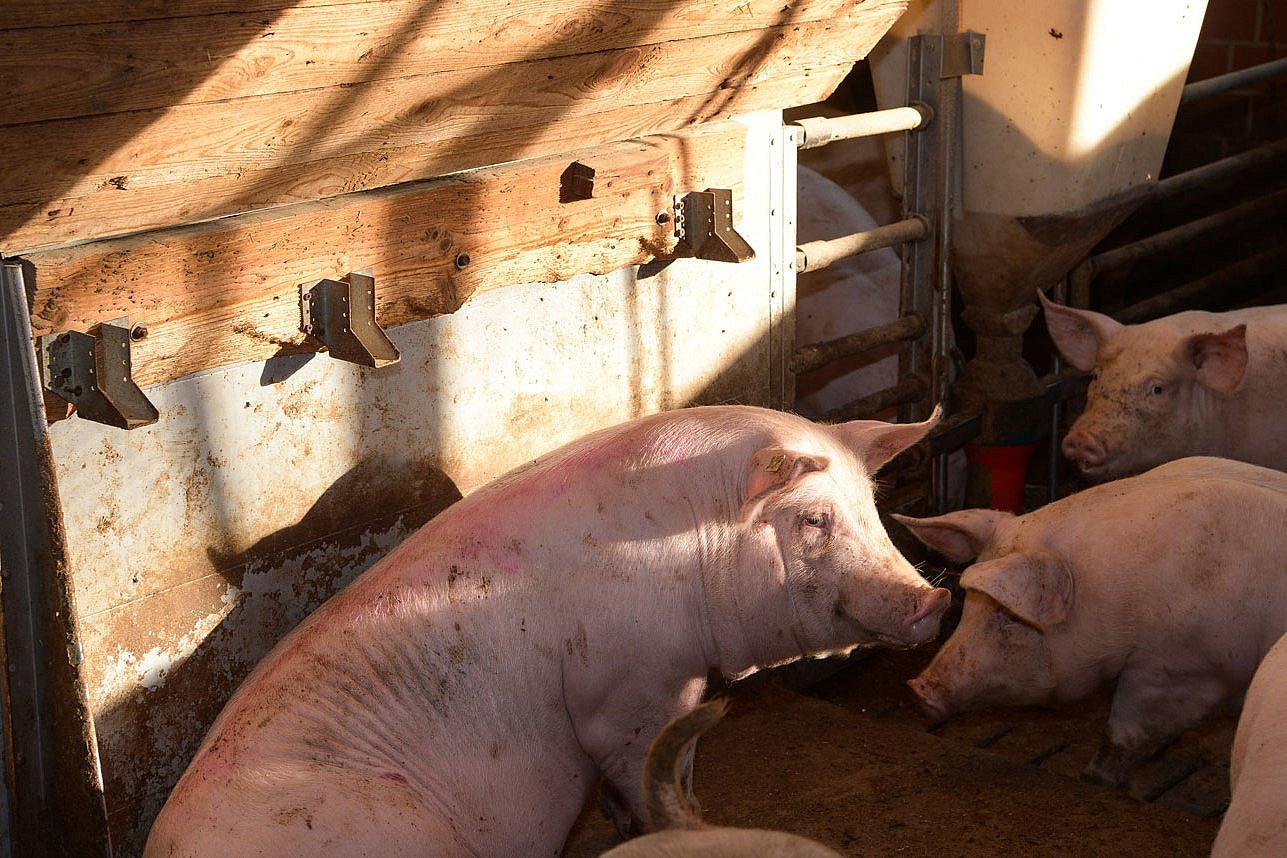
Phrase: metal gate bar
(935, 65)
(816, 255)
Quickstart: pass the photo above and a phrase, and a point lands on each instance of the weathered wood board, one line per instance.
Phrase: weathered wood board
(224, 291)
(124, 117)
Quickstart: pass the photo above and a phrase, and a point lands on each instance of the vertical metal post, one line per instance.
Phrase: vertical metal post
(1059, 296)
(922, 180)
(931, 176)
(782, 266)
(54, 787)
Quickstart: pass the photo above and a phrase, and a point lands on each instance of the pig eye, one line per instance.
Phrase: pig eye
(814, 519)
(1156, 388)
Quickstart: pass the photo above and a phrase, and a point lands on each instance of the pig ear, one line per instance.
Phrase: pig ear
(1037, 587)
(876, 442)
(776, 468)
(1220, 359)
(1078, 334)
(959, 536)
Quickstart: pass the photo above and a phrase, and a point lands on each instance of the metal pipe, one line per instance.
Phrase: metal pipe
(1079, 280)
(1059, 294)
(821, 130)
(817, 355)
(1192, 294)
(1240, 215)
(816, 255)
(1225, 82)
(1217, 170)
(910, 389)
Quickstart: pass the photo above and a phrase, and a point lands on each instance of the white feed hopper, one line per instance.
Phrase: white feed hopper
(1063, 134)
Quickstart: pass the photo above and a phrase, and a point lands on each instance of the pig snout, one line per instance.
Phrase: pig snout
(1086, 450)
(922, 626)
(931, 699)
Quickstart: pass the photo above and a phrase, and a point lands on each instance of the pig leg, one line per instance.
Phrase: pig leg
(614, 729)
(614, 807)
(1148, 713)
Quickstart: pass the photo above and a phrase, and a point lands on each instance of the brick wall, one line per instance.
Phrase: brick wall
(1236, 34)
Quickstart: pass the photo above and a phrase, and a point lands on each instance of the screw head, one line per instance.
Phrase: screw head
(138, 332)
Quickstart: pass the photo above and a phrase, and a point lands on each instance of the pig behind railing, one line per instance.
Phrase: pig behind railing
(1188, 384)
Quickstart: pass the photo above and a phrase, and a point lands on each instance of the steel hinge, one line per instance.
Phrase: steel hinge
(341, 314)
(704, 227)
(91, 370)
(962, 54)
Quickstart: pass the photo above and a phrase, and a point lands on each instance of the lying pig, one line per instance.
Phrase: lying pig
(1172, 583)
(1255, 825)
(461, 696)
(1189, 384)
(678, 831)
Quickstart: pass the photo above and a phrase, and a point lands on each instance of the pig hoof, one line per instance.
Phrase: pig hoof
(612, 807)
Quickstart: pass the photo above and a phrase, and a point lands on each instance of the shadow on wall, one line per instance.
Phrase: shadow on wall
(279, 581)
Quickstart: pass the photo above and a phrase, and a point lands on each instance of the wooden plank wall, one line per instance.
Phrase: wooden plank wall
(225, 291)
(123, 116)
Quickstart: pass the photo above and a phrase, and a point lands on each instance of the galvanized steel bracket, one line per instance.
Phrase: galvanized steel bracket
(342, 315)
(962, 54)
(704, 227)
(92, 371)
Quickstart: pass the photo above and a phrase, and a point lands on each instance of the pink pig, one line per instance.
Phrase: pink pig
(1172, 583)
(1255, 825)
(462, 696)
(1188, 384)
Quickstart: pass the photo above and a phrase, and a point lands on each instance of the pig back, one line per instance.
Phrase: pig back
(1255, 825)
(1195, 546)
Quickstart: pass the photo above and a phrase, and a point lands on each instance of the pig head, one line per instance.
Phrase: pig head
(1188, 384)
(1167, 584)
(462, 696)
(998, 655)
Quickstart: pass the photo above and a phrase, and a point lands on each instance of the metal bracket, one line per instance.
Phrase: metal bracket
(704, 227)
(342, 315)
(962, 54)
(92, 371)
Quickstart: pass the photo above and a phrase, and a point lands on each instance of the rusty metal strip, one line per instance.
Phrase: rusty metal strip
(56, 805)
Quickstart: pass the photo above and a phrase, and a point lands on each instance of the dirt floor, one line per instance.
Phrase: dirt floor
(850, 763)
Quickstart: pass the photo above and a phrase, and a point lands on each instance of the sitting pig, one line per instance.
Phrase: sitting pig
(1172, 583)
(1255, 825)
(1189, 384)
(678, 832)
(462, 695)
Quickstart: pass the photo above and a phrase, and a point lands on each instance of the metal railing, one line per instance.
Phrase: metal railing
(922, 330)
